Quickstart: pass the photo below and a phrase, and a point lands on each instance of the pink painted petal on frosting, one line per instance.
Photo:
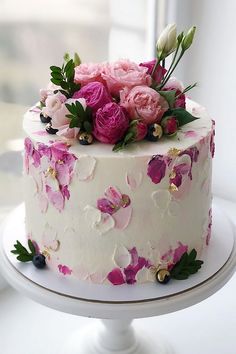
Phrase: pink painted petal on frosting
(43, 203)
(134, 180)
(116, 277)
(122, 217)
(114, 195)
(56, 198)
(63, 174)
(41, 132)
(64, 269)
(106, 206)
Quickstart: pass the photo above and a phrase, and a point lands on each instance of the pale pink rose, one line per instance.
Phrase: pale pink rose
(125, 73)
(61, 122)
(44, 93)
(144, 103)
(53, 103)
(88, 72)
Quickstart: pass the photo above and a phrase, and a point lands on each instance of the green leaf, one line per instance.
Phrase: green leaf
(31, 247)
(20, 247)
(57, 76)
(192, 255)
(129, 137)
(182, 116)
(71, 108)
(80, 110)
(56, 82)
(68, 66)
(15, 252)
(25, 258)
(55, 69)
(118, 146)
(187, 265)
(169, 97)
(74, 123)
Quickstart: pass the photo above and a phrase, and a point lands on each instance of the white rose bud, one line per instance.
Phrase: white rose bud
(167, 41)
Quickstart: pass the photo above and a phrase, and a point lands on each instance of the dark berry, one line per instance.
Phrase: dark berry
(50, 130)
(154, 132)
(39, 261)
(85, 138)
(163, 276)
(44, 119)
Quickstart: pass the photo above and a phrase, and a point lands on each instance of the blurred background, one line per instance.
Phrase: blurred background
(36, 34)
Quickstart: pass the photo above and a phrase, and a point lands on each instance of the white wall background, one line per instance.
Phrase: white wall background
(212, 63)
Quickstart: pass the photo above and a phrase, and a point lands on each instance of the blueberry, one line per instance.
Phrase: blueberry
(39, 261)
(50, 130)
(45, 119)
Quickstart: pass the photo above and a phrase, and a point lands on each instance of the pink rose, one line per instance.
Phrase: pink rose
(44, 93)
(125, 73)
(174, 84)
(85, 73)
(110, 123)
(53, 103)
(95, 94)
(159, 72)
(144, 103)
(61, 122)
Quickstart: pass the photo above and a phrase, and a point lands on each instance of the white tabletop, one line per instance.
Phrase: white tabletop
(207, 328)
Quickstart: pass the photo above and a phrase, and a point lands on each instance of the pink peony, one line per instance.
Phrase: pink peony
(90, 72)
(144, 103)
(159, 72)
(110, 123)
(95, 94)
(61, 122)
(125, 73)
(53, 103)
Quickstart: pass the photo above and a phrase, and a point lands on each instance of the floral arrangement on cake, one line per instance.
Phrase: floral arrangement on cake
(121, 102)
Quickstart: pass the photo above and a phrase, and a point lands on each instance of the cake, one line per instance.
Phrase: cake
(128, 214)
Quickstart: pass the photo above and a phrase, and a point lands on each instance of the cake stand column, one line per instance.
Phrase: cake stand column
(116, 336)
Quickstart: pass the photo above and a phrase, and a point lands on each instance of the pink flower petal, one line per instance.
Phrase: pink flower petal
(116, 277)
(64, 269)
(114, 195)
(56, 198)
(122, 217)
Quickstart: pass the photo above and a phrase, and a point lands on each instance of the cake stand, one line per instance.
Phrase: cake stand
(117, 306)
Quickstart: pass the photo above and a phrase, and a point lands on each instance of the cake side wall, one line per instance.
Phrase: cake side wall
(109, 220)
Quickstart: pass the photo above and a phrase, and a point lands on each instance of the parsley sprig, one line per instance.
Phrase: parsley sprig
(23, 255)
(64, 76)
(80, 117)
(187, 265)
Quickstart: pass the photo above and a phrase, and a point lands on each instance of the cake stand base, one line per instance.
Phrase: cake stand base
(114, 337)
(118, 306)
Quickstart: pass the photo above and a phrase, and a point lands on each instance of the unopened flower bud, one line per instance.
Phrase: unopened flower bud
(188, 38)
(167, 42)
(169, 125)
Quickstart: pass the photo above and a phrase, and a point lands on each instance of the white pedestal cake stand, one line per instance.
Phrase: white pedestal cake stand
(118, 305)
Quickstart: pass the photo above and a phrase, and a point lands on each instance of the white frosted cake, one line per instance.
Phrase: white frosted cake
(108, 217)
(133, 213)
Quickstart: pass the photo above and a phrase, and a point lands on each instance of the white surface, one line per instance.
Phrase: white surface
(212, 322)
(214, 258)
